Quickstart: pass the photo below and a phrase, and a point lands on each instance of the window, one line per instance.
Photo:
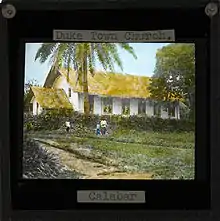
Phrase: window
(107, 105)
(37, 108)
(69, 91)
(126, 106)
(165, 109)
(171, 111)
(91, 103)
(157, 110)
(141, 106)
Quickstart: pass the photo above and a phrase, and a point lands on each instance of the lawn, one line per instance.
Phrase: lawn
(163, 155)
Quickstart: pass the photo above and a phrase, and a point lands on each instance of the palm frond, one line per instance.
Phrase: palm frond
(128, 48)
(113, 52)
(45, 51)
(71, 55)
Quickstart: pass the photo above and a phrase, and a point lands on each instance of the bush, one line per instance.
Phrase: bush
(53, 120)
(40, 164)
(47, 120)
(58, 113)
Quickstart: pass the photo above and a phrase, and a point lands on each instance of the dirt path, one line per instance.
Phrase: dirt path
(85, 167)
(88, 168)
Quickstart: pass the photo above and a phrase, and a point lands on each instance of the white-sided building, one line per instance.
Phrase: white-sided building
(108, 94)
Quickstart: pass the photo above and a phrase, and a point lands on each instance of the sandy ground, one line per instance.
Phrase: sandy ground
(88, 168)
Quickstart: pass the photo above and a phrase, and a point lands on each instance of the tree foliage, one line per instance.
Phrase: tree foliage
(82, 57)
(174, 75)
(28, 93)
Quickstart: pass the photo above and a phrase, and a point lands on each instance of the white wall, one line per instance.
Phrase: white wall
(117, 106)
(164, 114)
(177, 111)
(133, 106)
(149, 109)
(81, 102)
(97, 105)
(74, 100)
(36, 111)
(34, 107)
(61, 83)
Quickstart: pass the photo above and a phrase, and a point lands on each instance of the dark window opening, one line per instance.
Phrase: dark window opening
(107, 105)
(141, 106)
(91, 104)
(157, 110)
(69, 92)
(126, 106)
(165, 108)
(172, 111)
(37, 107)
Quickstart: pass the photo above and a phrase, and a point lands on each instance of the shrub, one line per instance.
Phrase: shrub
(58, 113)
(40, 164)
(47, 120)
(53, 120)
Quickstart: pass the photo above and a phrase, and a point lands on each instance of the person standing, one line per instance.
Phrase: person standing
(103, 126)
(98, 131)
(67, 126)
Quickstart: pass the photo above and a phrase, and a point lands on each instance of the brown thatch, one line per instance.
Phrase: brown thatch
(107, 84)
(50, 98)
(111, 84)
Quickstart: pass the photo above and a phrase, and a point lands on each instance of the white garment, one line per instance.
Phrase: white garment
(103, 123)
(67, 124)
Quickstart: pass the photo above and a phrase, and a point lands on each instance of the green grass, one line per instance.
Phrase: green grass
(166, 155)
(174, 140)
(130, 148)
(165, 139)
(164, 162)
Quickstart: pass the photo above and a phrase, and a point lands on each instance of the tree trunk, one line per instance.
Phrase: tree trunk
(85, 86)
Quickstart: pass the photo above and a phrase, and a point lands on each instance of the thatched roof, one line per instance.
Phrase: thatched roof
(107, 84)
(111, 84)
(50, 98)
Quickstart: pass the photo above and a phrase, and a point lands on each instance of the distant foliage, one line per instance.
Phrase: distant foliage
(174, 76)
(28, 94)
(142, 123)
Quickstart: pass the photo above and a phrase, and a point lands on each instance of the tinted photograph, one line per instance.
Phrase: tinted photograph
(109, 111)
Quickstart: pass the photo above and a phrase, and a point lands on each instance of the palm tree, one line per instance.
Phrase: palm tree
(82, 58)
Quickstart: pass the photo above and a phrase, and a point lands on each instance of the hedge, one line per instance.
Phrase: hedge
(52, 120)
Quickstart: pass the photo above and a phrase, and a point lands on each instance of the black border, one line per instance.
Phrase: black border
(104, 4)
(172, 194)
(5, 194)
(151, 215)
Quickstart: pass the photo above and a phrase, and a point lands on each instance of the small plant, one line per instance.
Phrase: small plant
(29, 126)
